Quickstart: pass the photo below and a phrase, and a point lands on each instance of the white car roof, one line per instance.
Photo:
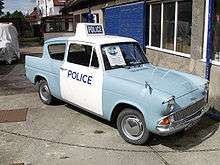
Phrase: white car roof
(92, 33)
(100, 40)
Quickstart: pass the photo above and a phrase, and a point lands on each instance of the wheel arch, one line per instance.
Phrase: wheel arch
(120, 107)
(38, 78)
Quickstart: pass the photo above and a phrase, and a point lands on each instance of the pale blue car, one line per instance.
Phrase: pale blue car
(111, 77)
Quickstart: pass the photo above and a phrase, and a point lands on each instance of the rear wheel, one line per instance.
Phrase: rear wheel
(44, 92)
(132, 127)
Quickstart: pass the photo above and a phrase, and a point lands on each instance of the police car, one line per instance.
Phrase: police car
(111, 77)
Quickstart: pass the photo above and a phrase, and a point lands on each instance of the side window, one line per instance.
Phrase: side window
(95, 61)
(57, 51)
(79, 54)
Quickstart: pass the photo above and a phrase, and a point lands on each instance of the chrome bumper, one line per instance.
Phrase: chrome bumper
(185, 123)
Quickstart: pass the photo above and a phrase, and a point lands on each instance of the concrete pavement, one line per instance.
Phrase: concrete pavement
(63, 134)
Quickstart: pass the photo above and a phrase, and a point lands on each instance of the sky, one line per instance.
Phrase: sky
(20, 5)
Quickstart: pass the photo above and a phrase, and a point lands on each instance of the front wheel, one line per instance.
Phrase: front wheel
(131, 126)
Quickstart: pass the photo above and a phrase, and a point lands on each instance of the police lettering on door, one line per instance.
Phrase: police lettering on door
(86, 79)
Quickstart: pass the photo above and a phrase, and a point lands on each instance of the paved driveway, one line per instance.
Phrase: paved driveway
(65, 135)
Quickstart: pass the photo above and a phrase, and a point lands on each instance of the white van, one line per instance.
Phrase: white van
(9, 47)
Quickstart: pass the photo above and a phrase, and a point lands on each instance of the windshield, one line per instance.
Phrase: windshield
(124, 55)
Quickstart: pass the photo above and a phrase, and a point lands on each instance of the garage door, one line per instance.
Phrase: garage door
(126, 20)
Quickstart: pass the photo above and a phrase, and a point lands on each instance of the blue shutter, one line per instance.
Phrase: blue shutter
(127, 20)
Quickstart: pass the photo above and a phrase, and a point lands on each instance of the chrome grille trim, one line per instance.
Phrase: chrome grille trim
(190, 110)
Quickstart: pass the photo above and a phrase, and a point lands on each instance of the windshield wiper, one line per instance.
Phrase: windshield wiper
(128, 66)
(119, 66)
(137, 64)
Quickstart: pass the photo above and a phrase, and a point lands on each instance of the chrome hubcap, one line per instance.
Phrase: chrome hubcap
(44, 92)
(132, 127)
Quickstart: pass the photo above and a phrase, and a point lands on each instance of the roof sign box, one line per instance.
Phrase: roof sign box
(89, 29)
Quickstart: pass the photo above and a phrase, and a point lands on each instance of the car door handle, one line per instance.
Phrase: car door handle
(63, 69)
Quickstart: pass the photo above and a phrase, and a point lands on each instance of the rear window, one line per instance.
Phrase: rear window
(57, 51)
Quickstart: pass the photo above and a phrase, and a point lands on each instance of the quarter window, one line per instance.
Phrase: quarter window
(57, 51)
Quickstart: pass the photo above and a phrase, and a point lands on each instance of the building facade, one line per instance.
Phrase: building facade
(50, 7)
(176, 34)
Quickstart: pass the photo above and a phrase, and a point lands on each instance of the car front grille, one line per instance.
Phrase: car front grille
(190, 110)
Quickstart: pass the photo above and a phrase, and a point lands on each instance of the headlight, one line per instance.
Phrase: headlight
(206, 91)
(170, 104)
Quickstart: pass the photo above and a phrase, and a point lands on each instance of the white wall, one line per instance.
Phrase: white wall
(51, 10)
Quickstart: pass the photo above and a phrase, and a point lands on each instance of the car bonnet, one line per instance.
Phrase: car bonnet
(165, 80)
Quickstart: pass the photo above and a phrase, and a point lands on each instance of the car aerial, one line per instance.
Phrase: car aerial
(110, 76)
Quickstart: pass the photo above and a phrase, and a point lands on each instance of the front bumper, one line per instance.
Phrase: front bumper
(185, 123)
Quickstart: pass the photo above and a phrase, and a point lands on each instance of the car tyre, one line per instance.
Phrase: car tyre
(132, 127)
(44, 92)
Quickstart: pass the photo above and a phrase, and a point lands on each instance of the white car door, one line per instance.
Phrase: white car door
(81, 77)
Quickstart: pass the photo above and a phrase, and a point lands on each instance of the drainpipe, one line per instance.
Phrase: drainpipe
(213, 114)
(209, 41)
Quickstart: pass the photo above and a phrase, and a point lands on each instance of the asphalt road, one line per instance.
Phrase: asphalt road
(65, 135)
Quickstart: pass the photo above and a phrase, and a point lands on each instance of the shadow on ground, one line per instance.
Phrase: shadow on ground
(5, 68)
(214, 113)
(93, 116)
(186, 140)
(13, 79)
(182, 141)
